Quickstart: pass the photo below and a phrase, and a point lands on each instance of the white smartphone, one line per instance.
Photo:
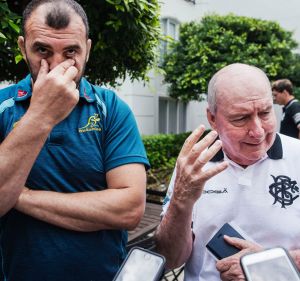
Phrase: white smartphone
(273, 264)
(141, 265)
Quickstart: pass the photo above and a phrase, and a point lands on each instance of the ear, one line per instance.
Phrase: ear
(88, 46)
(21, 44)
(211, 119)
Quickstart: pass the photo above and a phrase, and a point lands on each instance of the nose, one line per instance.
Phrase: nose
(55, 60)
(255, 128)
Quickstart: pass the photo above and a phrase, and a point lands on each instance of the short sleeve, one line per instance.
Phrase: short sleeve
(122, 142)
(296, 113)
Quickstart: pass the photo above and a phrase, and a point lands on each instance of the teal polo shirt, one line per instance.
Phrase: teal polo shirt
(99, 134)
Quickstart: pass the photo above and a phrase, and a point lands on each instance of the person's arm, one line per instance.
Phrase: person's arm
(54, 96)
(174, 235)
(121, 206)
(298, 127)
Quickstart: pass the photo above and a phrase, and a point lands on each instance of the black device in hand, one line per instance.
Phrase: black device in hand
(219, 247)
(141, 265)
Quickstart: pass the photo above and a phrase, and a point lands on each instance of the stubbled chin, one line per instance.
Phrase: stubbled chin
(248, 157)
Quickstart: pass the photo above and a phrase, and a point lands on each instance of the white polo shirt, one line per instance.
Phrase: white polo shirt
(262, 200)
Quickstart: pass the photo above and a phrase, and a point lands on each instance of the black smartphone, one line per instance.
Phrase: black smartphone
(141, 265)
(219, 247)
(273, 264)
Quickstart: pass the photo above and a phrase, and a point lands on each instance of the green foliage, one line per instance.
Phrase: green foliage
(9, 31)
(294, 76)
(296, 91)
(124, 33)
(217, 41)
(163, 149)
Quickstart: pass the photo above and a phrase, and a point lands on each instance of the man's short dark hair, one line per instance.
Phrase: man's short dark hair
(281, 85)
(58, 16)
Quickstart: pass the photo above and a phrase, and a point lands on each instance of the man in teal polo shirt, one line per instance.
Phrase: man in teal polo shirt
(72, 163)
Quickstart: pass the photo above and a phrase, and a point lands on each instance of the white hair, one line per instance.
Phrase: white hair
(214, 82)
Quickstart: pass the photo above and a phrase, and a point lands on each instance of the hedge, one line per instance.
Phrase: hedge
(163, 149)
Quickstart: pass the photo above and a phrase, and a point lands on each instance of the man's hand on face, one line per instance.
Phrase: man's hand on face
(54, 92)
(230, 268)
(190, 175)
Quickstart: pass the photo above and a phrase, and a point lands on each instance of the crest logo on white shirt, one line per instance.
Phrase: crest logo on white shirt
(284, 190)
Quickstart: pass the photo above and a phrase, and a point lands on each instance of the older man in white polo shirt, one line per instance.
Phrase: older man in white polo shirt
(249, 178)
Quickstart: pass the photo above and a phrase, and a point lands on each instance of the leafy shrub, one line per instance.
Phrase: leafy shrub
(216, 41)
(162, 151)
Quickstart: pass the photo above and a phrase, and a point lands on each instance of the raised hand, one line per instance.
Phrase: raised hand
(190, 175)
(54, 92)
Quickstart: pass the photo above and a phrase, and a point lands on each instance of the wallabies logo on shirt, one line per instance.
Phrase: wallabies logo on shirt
(92, 124)
(284, 190)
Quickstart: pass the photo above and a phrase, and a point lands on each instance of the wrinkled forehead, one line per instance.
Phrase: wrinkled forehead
(38, 17)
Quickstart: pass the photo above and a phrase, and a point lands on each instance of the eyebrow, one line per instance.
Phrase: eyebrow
(243, 113)
(75, 46)
(45, 45)
(269, 107)
(40, 44)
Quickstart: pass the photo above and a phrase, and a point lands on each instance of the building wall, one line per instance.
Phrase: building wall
(144, 98)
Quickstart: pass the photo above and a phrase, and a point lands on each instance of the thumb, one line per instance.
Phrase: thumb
(44, 69)
(237, 242)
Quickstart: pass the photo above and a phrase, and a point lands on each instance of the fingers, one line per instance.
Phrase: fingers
(71, 73)
(206, 154)
(191, 140)
(230, 268)
(223, 265)
(237, 242)
(215, 170)
(206, 142)
(242, 244)
(44, 69)
(192, 147)
(61, 68)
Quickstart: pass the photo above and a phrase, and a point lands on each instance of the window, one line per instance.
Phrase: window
(172, 116)
(170, 29)
(162, 115)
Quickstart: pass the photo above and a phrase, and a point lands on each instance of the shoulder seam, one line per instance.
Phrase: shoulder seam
(6, 104)
(100, 102)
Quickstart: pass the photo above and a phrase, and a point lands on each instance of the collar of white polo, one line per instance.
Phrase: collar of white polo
(275, 152)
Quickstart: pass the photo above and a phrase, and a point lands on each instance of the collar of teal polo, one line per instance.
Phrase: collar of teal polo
(24, 91)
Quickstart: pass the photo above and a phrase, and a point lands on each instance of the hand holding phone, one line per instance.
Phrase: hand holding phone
(141, 265)
(273, 264)
(218, 247)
